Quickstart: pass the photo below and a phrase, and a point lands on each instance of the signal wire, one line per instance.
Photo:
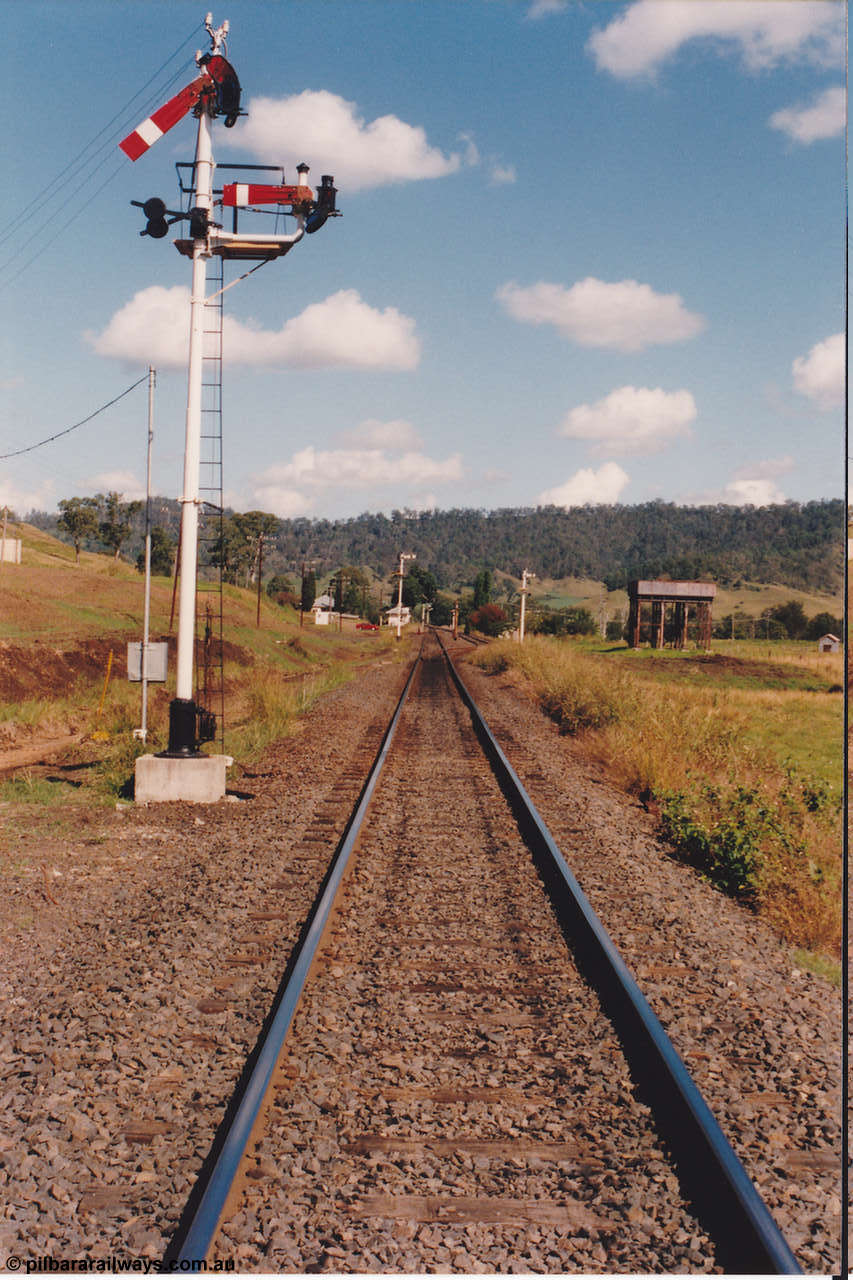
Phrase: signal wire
(82, 209)
(119, 114)
(49, 440)
(73, 177)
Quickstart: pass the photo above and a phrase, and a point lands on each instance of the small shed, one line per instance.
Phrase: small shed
(10, 550)
(829, 643)
(404, 613)
(323, 610)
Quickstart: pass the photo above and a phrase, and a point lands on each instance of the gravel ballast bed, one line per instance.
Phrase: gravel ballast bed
(129, 1014)
(455, 1099)
(760, 1036)
(117, 1062)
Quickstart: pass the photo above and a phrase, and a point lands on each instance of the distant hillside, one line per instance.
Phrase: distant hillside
(799, 545)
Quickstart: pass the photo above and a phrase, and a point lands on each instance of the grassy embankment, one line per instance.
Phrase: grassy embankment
(59, 620)
(740, 753)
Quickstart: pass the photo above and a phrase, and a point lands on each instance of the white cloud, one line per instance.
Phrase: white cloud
(823, 117)
(21, 500)
(341, 332)
(502, 174)
(123, 482)
(587, 486)
(820, 374)
(152, 328)
(292, 488)
(544, 8)
(280, 500)
(753, 493)
(763, 32)
(632, 420)
(472, 155)
(625, 316)
(754, 484)
(326, 130)
(395, 434)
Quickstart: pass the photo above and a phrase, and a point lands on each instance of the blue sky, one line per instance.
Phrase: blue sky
(589, 252)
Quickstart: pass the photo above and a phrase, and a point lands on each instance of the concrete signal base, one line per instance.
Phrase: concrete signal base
(194, 779)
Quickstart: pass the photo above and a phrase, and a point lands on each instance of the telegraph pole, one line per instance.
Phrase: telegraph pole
(142, 731)
(341, 581)
(260, 572)
(302, 592)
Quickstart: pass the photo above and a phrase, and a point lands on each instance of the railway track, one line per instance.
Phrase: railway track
(459, 1089)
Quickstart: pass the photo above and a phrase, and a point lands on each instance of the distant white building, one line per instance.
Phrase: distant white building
(829, 643)
(405, 615)
(323, 610)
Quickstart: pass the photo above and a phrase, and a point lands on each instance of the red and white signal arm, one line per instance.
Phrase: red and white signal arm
(218, 79)
(239, 194)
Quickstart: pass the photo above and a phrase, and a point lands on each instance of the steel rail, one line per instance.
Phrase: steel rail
(200, 1222)
(747, 1237)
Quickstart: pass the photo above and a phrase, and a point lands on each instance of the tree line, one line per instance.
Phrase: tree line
(793, 544)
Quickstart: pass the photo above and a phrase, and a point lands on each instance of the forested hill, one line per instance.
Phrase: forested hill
(791, 544)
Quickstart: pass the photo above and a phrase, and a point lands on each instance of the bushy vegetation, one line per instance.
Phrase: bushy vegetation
(762, 826)
(786, 621)
(575, 621)
(162, 554)
(489, 619)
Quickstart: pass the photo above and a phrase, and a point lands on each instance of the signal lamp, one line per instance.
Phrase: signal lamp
(324, 206)
(199, 223)
(155, 211)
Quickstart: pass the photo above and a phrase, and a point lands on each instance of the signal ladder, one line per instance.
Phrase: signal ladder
(210, 673)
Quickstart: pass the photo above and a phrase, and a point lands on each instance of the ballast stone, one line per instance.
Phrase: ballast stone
(197, 780)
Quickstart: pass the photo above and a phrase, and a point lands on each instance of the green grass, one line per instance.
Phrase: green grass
(820, 965)
(801, 731)
(90, 615)
(23, 788)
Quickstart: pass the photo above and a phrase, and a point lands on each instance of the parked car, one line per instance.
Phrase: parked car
(366, 626)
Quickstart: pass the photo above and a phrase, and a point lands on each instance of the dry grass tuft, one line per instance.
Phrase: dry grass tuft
(763, 829)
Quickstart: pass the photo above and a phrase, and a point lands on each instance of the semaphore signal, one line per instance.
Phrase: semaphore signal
(214, 92)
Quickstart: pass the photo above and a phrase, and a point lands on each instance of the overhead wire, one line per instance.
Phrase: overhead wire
(16, 453)
(4, 283)
(78, 174)
(123, 111)
(78, 178)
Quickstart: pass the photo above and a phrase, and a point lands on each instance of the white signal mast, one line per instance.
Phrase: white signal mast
(215, 92)
(526, 575)
(404, 556)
